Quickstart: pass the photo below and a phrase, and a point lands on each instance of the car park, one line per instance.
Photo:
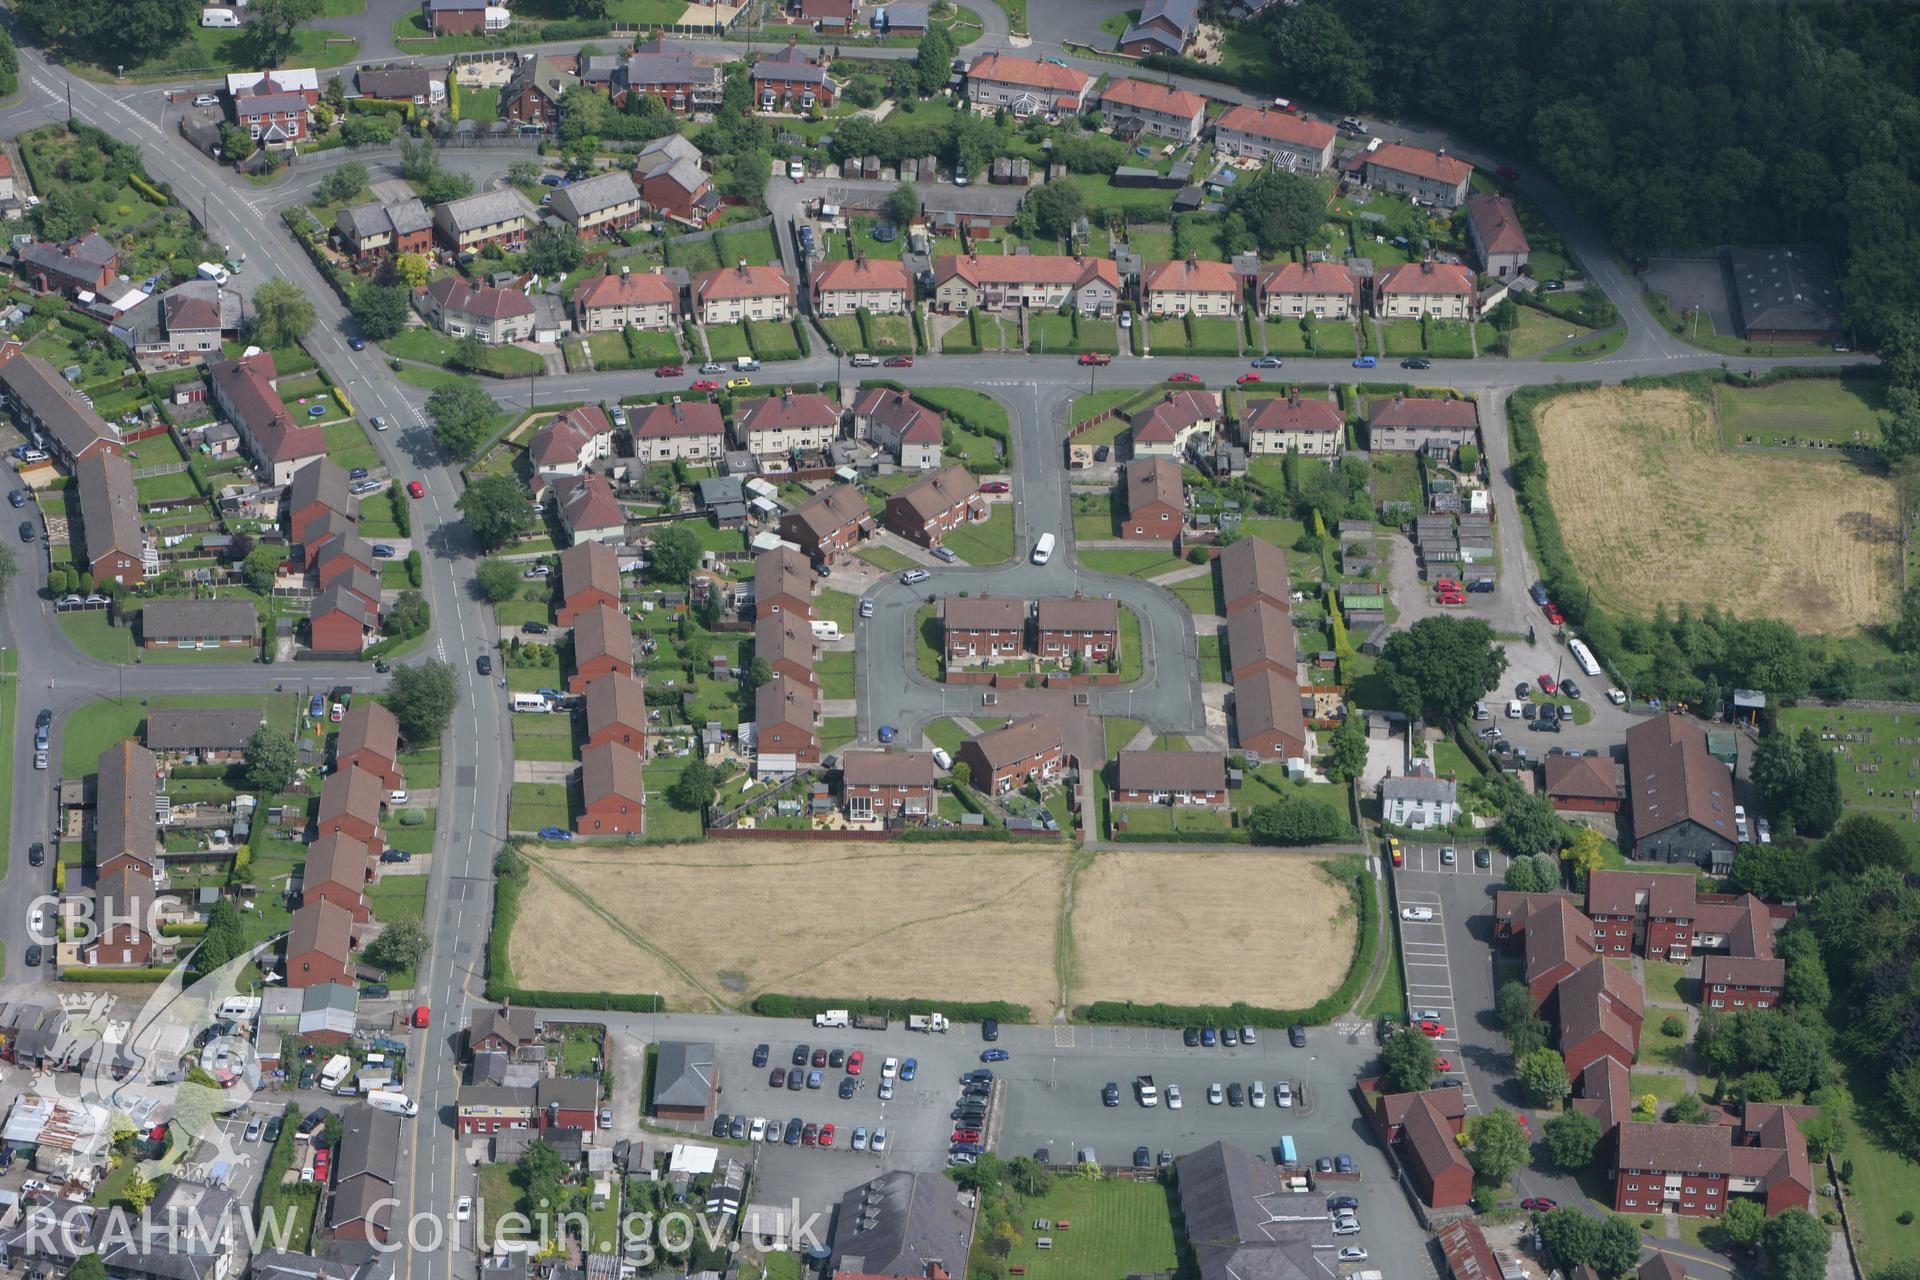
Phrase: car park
(776, 1078)
(1418, 915)
(1215, 1094)
(1229, 1037)
(993, 1055)
(847, 1085)
(1283, 1093)
(826, 1134)
(759, 1131)
(1257, 1094)
(889, 1068)
(1173, 1097)
(1297, 1036)
(1447, 856)
(1483, 857)
(1191, 1037)
(836, 1059)
(738, 1129)
(809, 1135)
(821, 1057)
(1432, 1028)
(1110, 1095)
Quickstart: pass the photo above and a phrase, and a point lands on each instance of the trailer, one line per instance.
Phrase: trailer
(928, 1022)
(870, 1021)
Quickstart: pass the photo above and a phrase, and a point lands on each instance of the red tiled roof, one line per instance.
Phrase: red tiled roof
(1499, 226)
(907, 418)
(1280, 126)
(664, 421)
(1152, 480)
(860, 274)
(1671, 778)
(1582, 777)
(588, 502)
(1191, 276)
(1676, 1148)
(1004, 68)
(1173, 413)
(742, 282)
(938, 493)
(1745, 971)
(1149, 96)
(1426, 278)
(1307, 278)
(1253, 566)
(643, 288)
(1036, 268)
(778, 413)
(1421, 163)
(1294, 413)
(455, 294)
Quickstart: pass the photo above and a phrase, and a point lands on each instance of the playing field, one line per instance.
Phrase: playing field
(1878, 756)
(730, 919)
(1656, 512)
(1209, 928)
(1804, 412)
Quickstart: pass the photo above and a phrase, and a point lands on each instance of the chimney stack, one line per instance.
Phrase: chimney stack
(679, 412)
(743, 266)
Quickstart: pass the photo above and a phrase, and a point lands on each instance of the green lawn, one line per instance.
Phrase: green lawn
(1135, 564)
(772, 340)
(835, 606)
(1119, 732)
(1664, 982)
(1843, 410)
(548, 737)
(1157, 819)
(946, 735)
(837, 731)
(430, 346)
(756, 246)
(540, 804)
(836, 674)
(395, 897)
(986, 543)
(727, 341)
(92, 728)
(1212, 666)
(1537, 331)
(1119, 1228)
(94, 636)
(843, 332)
(1883, 1180)
(884, 558)
(1667, 1088)
(231, 49)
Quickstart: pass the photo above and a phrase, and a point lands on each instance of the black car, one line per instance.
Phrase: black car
(1323, 1165)
(1236, 1094)
(33, 953)
(1042, 1155)
(1342, 1202)
(484, 665)
(534, 628)
(358, 473)
(776, 1077)
(1111, 1094)
(979, 1075)
(974, 1114)
(1416, 362)
(990, 1029)
(760, 1052)
(721, 1124)
(26, 531)
(847, 1086)
(977, 1091)
(17, 498)
(358, 344)
(837, 1059)
(44, 719)
(313, 1120)
(800, 1055)
(1192, 1037)
(36, 854)
(796, 1077)
(272, 1134)
(1101, 453)
(1297, 1036)
(794, 1126)
(1142, 1157)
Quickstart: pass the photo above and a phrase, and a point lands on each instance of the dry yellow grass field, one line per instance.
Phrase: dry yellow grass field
(1655, 511)
(1209, 928)
(726, 920)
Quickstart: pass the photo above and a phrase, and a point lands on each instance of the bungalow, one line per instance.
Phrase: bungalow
(1261, 638)
(670, 73)
(500, 217)
(604, 304)
(337, 870)
(778, 426)
(1177, 778)
(572, 442)
(602, 645)
(589, 579)
(617, 712)
(1025, 85)
(1279, 138)
(827, 523)
(677, 187)
(350, 804)
(964, 282)
(462, 17)
(1431, 176)
(1163, 429)
(1291, 290)
(534, 95)
(935, 505)
(1681, 797)
(369, 740)
(599, 205)
(422, 86)
(1422, 424)
(1137, 107)
(1416, 801)
(243, 390)
(782, 583)
(1028, 749)
(1252, 571)
(785, 640)
(983, 628)
(742, 292)
(1156, 501)
(1499, 245)
(686, 1079)
(1164, 26)
(1308, 425)
(588, 509)
(613, 794)
(829, 15)
(896, 422)
(320, 945)
(1268, 718)
(1443, 290)
(207, 735)
(123, 909)
(341, 621)
(1424, 1130)
(110, 524)
(319, 489)
(881, 785)
(50, 410)
(692, 430)
(458, 309)
(785, 715)
(384, 227)
(85, 264)
(847, 285)
(123, 808)
(198, 624)
(902, 19)
(1582, 784)
(1081, 627)
(791, 81)
(1190, 287)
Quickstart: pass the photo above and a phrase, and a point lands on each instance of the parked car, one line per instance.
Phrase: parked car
(996, 486)
(1416, 362)
(866, 608)
(1246, 378)
(1365, 362)
(739, 384)
(561, 833)
(1110, 1094)
(1418, 915)
(415, 489)
(1215, 1094)
(994, 1055)
(760, 1055)
(1095, 357)
(669, 371)
(945, 554)
(1268, 362)
(1183, 377)
(796, 1078)
(1539, 1204)
(847, 1085)
(776, 1078)
(898, 362)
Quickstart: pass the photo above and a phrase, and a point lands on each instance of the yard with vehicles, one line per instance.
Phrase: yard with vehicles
(1656, 511)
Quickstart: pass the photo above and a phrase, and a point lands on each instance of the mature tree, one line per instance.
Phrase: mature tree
(934, 61)
(419, 160)
(1529, 825)
(1587, 854)
(1796, 1244)
(270, 26)
(496, 510)
(1543, 1076)
(1346, 756)
(1498, 1145)
(422, 697)
(1028, 1176)
(498, 580)
(261, 564)
(1616, 1252)
(1281, 209)
(1056, 206)
(1742, 1220)
(903, 205)
(1571, 1236)
(1906, 627)
(282, 314)
(406, 616)
(1523, 876)
(224, 939)
(1512, 1004)
(59, 216)
(1572, 1138)
(463, 417)
(525, 173)
(379, 310)
(1778, 871)
(412, 270)
(272, 757)
(344, 183)
(1806, 984)
(1295, 821)
(746, 178)
(554, 250)
(448, 184)
(695, 788)
(469, 354)
(1688, 1109)
(400, 944)
(1817, 807)
(759, 672)
(673, 555)
(1440, 666)
(110, 31)
(1411, 1062)
(1860, 843)
(1316, 54)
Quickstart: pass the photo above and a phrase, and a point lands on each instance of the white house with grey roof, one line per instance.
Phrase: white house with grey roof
(1418, 802)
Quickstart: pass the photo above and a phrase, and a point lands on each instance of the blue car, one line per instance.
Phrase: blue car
(1365, 362)
(561, 833)
(887, 733)
(908, 1068)
(1209, 1037)
(317, 707)
(17, 498)
(993, 1055)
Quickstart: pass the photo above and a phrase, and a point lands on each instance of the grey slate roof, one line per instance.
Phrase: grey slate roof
(901, 1224)
(583, 199)
(683, 1074)
(198, 619)
(201, 728)
(55, 405)
(485, 209)
(1438, 790)
(109, 508)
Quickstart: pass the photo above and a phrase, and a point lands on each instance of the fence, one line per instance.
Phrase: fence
(164, 469)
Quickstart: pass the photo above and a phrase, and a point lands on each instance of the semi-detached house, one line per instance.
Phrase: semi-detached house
(785, 640)
(588, 508)
(644, 301)
(1291, 290)
(459, 310)
(887, 784)
(1278, 137)
(1025, 85)
(1268, 719)
(1156, 501)
(533, 97)
(1177, 778)
(1422, 424)
(51, 411)
(589, 579)
(678, 187)
(786, 716)
(492, 217)
(1432, 176)
(602, 645)
(779, 425)
(384, 227)
(613, 793)
(1164, 26)
(1499, 244)
(1444, 290)
(110, 518)
(828, 523)
(1163, 429)
(1261, 639)
(279, 446)
(962, 282)
(791, 81)
(845, 285)
(933, 506)
(1293, 423)
(670, 73)
(1077, 627)
(1253, 571)
(572, 442)
(1190, 287)
(599, 205)
(984, 628)
(1006, 758)
(782, 583)
(742, 292)
(894, 421)
(319, 489)
(617, 712)
(694, 430)
(1156, 110)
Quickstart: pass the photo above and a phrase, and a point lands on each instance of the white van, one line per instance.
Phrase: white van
(1513, 709)
(941, 758)
(825, 630)
(532, 703)
(1043, 549)
(208, 271)
(398, 1104)
(219, 18)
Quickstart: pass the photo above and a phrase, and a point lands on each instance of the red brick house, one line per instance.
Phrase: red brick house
(369, 740)
(1510, 910)
(350, 802)
(502, 1029)
(1692, 1169)
(337, 871)
(1003, 759)
(1423, 1129)
(1253, 570)
(878, 785)
(827, 523)
(1268, 718)
(782, 583)
(984, 628)
(785, 640)
(123, 902)
(1176, 778)
(786, 712)
(1156, 501)
(1582, 784)
(678, 187)
(1559, 940)
(589, 579)
(934, 506)
(456, 17)
(1733, 983)
(272, 115)
(1598, 1015)
(1261, 639)
(86, 263)
(320, 945)
(613, 794)
(1080, 627)
(338, 555)
(124, 834)
(790, 80)
(602, 645)
(617, 712)
(1650, 913)
(319, 489)
(341, 621)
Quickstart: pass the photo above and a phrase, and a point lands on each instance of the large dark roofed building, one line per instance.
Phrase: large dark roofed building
(1243, 1222)
(902, 1224)
(1785, 293)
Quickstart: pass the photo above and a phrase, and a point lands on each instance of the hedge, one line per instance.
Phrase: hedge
(510, 877)
(1239, 835)
(127, 976)
(1127, 1013)
(413, 567)
(184, 929)
(775, 1005)
(148, 190)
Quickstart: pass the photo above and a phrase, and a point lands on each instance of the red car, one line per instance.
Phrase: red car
(897, 362)
(966, 1135)
(810, 1135)
(1450, 597)
(1444, 1064)
(668, 371)
(706, 384)
(855, 1061)
(996, 486)
(1553, 614)
(1538, 1204)
(1547, 684)
(1095, 357)
(415, 489)
(1428, 1027)
(420, 1016)
(1183, 377)
(1446, 584)
(826, 1135)
(1245, 378)
(1512, 174)
(322, 1161)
